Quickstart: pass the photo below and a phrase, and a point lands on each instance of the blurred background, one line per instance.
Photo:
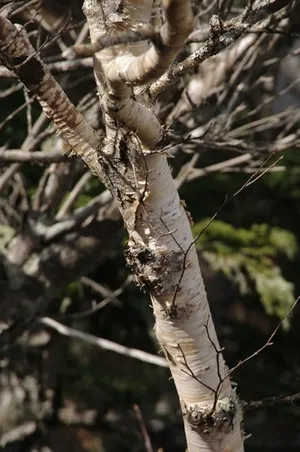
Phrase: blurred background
(234, 127)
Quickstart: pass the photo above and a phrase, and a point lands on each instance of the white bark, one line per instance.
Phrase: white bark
(161, 250)
(182, 320)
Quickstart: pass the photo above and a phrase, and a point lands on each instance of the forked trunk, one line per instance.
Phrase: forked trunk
(134, 167)
(161, 251)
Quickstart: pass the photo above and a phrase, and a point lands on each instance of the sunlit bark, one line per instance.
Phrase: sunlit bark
(161, 250)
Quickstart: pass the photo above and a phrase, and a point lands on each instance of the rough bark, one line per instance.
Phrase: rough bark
(129, 160)
(161, 252)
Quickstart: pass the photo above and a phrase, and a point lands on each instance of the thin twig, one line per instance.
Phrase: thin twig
(73, 195)
(147, 440)
(109, 297)
(271, 401)
(267, 344)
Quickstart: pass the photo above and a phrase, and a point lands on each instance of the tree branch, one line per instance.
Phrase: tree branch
(19, 156)
(104, 343)
(222, 34)
(271, 401)
(56, 67)
(18, 55)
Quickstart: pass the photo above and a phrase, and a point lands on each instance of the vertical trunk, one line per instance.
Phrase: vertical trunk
(161, 252)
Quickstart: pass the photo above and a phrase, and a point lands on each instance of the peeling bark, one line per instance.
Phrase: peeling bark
(161, 252)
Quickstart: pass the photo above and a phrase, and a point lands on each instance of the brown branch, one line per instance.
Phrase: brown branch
(218, 352)
(190, 372)
(271, 401)
(140, 419)
(267, 344)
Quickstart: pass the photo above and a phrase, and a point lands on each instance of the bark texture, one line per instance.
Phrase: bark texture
(161, 252)
(130, 157)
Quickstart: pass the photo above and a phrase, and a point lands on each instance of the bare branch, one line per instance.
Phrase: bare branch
(222, 35)
(155, 61)
(129, 36)
(20, 56)
(71, 198)
(57, 67)
(109, 297)
(19, 156)
(147, 440)
(267, 344)
(271, 401)
(104, 343)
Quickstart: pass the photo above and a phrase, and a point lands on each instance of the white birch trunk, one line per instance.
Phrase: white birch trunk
(161, 250)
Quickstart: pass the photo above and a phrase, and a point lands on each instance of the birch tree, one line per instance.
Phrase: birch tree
(134, 44)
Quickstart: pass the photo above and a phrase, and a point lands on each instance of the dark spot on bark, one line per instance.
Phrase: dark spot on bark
(209, 421)
(141, 261)
(120, 7)
(159, 44)
(144, 256)
(164, 142)
(156, 271)
(30, 72)
(123, 151)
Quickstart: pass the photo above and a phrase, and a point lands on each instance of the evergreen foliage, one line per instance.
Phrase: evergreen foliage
(250, 258)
